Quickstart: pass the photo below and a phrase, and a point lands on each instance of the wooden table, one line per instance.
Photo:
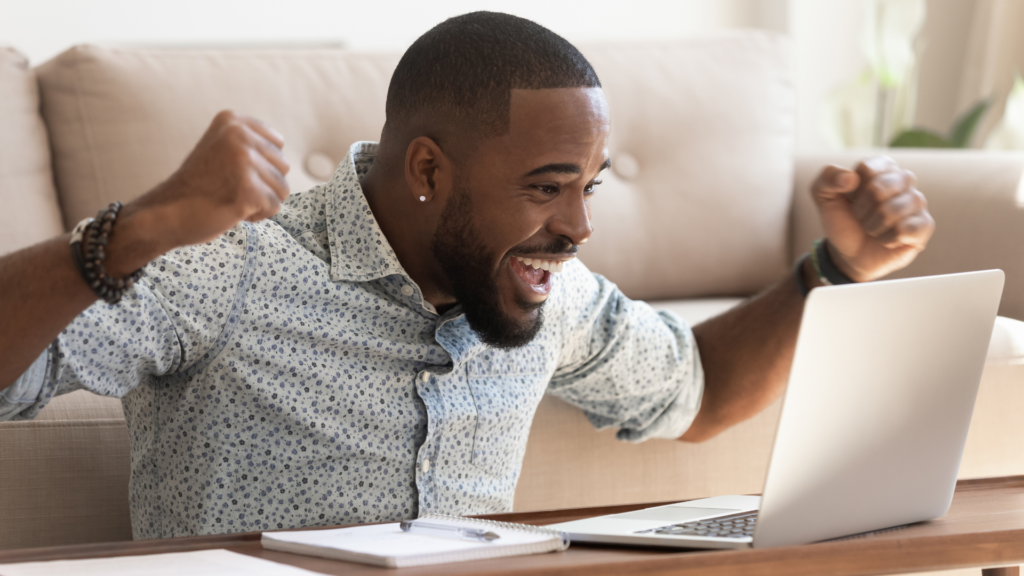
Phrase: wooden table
(984, 528)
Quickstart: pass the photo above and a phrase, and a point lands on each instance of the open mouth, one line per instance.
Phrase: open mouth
(536, 273)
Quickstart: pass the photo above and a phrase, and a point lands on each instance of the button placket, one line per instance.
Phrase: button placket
(431, 402)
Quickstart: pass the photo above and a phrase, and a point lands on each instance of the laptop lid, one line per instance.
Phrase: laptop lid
(879, 400)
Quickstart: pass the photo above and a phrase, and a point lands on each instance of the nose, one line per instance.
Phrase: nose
(572, 219)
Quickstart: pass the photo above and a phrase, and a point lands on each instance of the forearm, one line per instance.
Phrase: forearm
(746, 354)
(236, 172)
(876, 222)
(41, 290)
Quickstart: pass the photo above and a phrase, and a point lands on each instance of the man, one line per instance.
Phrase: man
(377, 348)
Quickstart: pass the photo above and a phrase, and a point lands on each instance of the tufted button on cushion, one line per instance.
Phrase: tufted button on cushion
(320, 166)
(625, 166)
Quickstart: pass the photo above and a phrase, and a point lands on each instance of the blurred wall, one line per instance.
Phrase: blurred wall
(43, 28)
(943, 48)
(959, 62)
(826, 33)
(827, 40)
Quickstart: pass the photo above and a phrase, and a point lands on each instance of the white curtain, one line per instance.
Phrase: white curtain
(995, 52)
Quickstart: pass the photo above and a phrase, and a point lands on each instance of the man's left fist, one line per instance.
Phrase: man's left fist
(875, 219)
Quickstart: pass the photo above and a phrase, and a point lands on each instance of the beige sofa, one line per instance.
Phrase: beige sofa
(706, 203)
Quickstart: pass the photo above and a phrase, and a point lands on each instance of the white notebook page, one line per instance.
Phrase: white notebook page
(388, 540)
(199, 563)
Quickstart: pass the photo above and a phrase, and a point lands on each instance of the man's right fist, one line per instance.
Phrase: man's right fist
(235, 172)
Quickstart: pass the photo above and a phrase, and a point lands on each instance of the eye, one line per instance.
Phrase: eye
(549, 189)
(590, 188)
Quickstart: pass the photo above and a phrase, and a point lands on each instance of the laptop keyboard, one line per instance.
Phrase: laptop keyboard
(732, 526)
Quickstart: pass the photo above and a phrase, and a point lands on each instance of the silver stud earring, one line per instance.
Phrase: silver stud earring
(423, 198)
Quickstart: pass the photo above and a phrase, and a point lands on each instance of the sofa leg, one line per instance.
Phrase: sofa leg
(1005, 571)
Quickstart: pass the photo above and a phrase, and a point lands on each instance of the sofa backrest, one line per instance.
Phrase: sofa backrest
(122, 120)
(697, 202)
(30, 212)
(698, 198)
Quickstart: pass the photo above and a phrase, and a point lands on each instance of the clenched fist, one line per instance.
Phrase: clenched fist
(236, 172)
(875, 219)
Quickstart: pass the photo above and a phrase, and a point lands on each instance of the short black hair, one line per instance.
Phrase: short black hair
(462, 71)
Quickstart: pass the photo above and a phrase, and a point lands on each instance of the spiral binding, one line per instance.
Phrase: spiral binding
(529, 528)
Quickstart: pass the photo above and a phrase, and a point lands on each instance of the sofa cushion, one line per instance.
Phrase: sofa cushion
(697, 310)
(122, 120)
(568, 464)
(1007, 344)
(697, 201)
(30, 211)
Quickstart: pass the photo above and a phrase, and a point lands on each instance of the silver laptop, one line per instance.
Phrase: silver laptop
(873, 423)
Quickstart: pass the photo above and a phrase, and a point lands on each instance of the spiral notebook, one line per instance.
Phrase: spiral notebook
(386, 544)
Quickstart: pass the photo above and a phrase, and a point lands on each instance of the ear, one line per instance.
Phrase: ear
(428, 172)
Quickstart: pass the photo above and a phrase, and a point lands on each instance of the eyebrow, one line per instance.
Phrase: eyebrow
(564, 168)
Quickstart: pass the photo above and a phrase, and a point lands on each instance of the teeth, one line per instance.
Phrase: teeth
(554, 266)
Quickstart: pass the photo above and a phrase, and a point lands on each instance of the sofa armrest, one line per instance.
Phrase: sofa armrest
(64, 475)
(975, 197)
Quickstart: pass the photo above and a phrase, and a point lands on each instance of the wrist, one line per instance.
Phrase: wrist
(810, 275)
(840, 264)
(805, 276)
(817, 268)
(825, 267)
(136, 240)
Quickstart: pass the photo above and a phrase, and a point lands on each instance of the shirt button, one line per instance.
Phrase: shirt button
(426, 465)
(424, 376)
(407, 290)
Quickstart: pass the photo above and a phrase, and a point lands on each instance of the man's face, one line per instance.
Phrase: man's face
(520, 207)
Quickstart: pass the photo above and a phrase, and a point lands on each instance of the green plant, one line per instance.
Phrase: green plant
(959, 137)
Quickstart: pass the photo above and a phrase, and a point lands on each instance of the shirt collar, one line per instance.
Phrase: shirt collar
(359, 250)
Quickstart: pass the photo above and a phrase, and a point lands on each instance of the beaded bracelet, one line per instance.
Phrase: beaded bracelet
(88, 242)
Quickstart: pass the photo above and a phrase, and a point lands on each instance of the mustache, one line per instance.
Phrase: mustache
(558, 246)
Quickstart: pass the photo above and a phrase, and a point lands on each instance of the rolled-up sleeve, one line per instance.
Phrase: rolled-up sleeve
(625, 364)
(167, 321)
(20, 400)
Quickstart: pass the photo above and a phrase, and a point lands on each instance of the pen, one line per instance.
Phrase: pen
(445, 531)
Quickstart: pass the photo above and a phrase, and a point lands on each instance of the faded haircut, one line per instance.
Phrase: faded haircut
(460, 74)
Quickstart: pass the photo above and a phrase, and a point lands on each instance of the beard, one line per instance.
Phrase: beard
(460, 251)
